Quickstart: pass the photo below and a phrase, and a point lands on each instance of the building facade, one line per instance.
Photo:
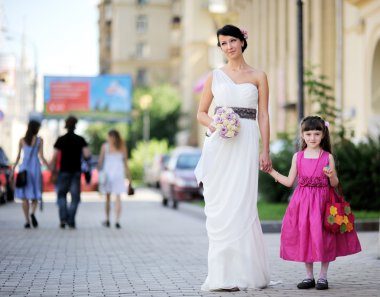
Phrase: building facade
(341, 38)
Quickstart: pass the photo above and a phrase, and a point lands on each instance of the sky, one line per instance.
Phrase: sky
(63, 34)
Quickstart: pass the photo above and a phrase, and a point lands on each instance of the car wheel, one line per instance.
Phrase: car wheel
(164, 201)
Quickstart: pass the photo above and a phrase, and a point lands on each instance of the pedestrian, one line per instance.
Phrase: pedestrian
(303, 237)
(31, 147)
(69, 149)
(228, 169)
(113, 165)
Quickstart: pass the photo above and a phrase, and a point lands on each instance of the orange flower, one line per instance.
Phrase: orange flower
(333, 210)
(339, 220)
(350, 227)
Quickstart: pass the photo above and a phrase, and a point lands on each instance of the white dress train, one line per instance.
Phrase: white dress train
(228, 169)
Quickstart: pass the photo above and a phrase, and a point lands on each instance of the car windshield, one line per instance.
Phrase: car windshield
(187, 161)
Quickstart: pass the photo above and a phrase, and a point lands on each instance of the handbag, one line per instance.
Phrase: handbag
(131, 189)
(338, 213)
(21, 177)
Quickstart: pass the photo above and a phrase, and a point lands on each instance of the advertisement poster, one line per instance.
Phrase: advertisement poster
(103, 97)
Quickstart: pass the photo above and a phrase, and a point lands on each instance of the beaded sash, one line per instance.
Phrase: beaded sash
(244, 113)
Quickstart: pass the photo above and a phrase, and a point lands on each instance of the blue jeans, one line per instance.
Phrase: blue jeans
(68, 182)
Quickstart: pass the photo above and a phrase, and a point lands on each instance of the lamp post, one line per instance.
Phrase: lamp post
(145, 102)
(300, 104)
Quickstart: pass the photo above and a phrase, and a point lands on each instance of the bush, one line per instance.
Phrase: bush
(139, 157)
(358, 169)
(270, 190)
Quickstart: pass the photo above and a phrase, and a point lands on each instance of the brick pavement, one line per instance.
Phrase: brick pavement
(158, 252)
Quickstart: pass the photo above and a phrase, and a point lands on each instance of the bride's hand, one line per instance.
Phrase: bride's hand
(265, 162)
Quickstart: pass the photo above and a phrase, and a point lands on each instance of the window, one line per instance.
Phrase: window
(141, 50)
(142, 2)
(141, 79)
(108, 12)
(142, 24)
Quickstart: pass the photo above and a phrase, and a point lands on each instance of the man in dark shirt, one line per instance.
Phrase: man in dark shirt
(68, 152)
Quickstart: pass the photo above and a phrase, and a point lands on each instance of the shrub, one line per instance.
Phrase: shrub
(270, 190)
(358, 169)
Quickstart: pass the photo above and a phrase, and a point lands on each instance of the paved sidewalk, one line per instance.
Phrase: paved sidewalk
(158, 252)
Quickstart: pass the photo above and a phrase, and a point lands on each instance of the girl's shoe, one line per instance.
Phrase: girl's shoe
(117, 225)
(106, 224)
(27, 226)
(34, 221)
(307, 283)
(322, 284)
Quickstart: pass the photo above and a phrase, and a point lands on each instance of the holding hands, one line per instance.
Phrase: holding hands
(265, 162)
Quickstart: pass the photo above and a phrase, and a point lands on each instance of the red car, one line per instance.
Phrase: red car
(177, 181)
(6, 188)
(47, 186)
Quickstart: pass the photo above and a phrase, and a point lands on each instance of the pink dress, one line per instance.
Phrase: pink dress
(303, 237)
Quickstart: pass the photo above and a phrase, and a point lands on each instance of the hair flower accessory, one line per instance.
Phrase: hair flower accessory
(327, 124)
(245, 33)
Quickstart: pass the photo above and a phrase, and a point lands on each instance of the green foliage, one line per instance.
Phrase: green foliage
(320, 93)
(270, 190)
(358, 169)
(140, 156)
(164, 114)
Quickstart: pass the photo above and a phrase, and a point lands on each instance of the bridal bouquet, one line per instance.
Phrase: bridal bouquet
(226, 122)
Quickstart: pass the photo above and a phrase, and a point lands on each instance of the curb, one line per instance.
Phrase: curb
(275, 226)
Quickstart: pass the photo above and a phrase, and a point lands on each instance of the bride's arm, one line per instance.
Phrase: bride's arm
(263, 120)
(204, 105)
(287, 181)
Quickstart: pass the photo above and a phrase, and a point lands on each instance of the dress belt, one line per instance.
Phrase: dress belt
(244, 113)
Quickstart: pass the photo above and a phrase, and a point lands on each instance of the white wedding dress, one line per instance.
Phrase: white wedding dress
(228, 168)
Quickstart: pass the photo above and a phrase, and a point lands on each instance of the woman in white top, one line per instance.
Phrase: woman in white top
(112, 167)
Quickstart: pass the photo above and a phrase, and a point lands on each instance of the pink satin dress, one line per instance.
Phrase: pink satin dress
(303, 237)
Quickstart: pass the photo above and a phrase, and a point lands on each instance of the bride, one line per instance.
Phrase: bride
(228, 169)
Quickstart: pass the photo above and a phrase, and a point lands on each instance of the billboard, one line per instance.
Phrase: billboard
(104, 97)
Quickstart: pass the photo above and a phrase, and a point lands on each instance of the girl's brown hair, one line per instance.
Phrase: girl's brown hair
(31, 131)
(117, 141)
(316, 123)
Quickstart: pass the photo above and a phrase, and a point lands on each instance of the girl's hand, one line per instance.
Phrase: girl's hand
(328, 171)
(265, 162)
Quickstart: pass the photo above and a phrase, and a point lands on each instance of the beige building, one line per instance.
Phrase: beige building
(177, 44)
(140, 38)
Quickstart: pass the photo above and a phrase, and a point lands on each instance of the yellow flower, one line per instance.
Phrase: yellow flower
(333, 210)
(345, 220)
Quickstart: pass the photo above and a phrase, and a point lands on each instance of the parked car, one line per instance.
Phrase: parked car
(153, 172)
(177, 180)
(47, 186)
(6, 187)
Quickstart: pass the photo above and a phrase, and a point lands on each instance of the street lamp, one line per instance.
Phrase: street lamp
(145, 102)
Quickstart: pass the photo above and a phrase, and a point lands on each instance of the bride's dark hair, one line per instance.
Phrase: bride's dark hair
(231, 30)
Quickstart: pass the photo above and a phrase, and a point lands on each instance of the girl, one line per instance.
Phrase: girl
(303, 238)
(32, 148)
(113, 161)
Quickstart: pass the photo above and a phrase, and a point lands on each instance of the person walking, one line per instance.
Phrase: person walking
(68, 152)
(303, 237)
(113, 164)
(228, 169)
(31, 146)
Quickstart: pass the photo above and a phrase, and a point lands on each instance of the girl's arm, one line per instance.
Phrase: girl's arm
(18, 155)
(263, 120)
(127, 170)
(330, 172)
(101, 158)
(41, 153)
(204, 105)
(287, 181)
